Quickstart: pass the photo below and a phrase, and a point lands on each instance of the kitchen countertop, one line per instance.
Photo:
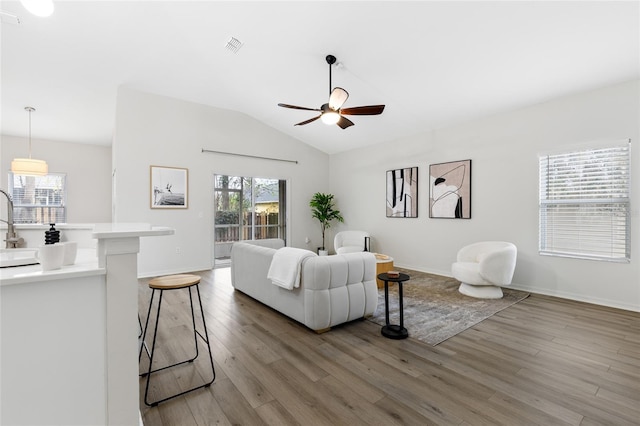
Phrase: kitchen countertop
(87, 261)
(124, 230)
(44, 227)
(86, 265)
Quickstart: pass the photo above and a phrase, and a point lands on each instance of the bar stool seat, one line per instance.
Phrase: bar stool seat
(170, 283)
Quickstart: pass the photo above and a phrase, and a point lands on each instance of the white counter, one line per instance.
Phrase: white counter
(86, 265)
(70, 336)
(125, 230)
(86, 234)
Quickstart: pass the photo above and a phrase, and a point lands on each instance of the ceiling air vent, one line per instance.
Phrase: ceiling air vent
(234, 45)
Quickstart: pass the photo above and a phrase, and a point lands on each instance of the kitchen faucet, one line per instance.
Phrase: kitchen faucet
(12, 237)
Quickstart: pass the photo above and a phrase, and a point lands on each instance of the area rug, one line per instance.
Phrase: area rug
(434, 310)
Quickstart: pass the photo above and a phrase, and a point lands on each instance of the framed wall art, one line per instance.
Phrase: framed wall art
(450, 190)
(402, 192)
(169, 187)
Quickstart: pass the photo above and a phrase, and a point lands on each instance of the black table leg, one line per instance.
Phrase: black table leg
(386, 302)
(393, 331)
(401, 305)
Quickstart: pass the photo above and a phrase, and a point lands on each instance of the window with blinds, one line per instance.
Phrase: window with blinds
(585, 204)
(38, 199)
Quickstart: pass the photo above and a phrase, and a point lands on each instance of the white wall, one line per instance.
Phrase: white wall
(504, 152)
(161, 131)
(155, 130)
(88, 169)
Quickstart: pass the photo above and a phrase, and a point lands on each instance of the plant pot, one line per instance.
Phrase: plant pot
(322, 252)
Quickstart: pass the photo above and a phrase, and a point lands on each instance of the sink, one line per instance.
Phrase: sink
(17, 257)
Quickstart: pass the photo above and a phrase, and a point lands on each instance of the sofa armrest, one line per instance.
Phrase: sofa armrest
(338, 288)
(249, 264)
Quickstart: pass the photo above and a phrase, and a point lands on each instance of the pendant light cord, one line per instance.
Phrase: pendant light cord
(29, 110)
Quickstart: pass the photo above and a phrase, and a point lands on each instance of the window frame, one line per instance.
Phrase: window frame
(597, 194)
(40, 213)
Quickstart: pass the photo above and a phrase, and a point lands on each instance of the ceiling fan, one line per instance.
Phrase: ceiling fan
(332, 112)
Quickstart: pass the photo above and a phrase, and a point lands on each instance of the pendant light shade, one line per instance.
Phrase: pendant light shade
(29, 166)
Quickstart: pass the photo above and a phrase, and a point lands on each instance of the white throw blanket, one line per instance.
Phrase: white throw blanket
(286, 265)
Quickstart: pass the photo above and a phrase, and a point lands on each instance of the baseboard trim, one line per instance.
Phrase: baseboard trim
(542, 291)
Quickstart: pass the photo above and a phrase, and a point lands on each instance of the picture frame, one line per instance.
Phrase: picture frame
(402, 192)
(450, 190)
(169, 187)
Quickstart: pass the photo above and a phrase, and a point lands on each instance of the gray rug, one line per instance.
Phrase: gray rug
(434, 310)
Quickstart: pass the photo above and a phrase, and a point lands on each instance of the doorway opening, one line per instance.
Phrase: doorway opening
(246, 208)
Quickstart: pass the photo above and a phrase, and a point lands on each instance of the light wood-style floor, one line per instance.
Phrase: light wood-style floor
(543, 361)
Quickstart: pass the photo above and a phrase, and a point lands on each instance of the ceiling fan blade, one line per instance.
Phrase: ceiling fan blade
(302, 123)
(344, 122)
(298, 107)
(337, 98)
(363, 110)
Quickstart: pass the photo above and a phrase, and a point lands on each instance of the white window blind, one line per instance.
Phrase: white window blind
(585, 204)
(38, 199)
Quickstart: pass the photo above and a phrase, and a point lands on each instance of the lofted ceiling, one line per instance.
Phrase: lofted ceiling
(431, 63)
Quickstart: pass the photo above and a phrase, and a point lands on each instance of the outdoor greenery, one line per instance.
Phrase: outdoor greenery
(323, 209)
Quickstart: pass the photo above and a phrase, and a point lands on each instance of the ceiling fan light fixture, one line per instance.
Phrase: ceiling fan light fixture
(332, 112)
(41, 8)
(330, 117)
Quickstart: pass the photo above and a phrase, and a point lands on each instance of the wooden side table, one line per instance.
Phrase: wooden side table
(384, 264)
(393, 331)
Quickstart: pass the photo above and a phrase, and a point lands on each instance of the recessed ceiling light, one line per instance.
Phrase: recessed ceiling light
(234, 45)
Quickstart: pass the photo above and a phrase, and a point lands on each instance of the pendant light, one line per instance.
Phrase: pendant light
(29, 166)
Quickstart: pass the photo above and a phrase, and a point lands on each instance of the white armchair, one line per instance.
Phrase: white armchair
(349, 241)
(482, 268)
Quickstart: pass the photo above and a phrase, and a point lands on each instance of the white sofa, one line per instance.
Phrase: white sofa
(333, 289)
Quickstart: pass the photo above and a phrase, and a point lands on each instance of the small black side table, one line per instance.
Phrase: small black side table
(393, 331)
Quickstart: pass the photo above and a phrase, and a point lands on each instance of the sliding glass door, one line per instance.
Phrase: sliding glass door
(246, 208)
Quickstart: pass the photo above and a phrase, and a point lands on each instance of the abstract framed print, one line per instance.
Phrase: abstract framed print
(402, 192)
(450, 190)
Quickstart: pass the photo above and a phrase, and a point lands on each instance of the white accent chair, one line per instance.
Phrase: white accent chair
(482, 268)
(349, 241)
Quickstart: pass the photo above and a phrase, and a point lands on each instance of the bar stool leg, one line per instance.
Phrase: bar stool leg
(193, 321)
(144, 332)
(206, 334)
(153, 346)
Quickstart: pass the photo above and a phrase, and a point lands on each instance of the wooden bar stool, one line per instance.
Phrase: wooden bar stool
(162, 284)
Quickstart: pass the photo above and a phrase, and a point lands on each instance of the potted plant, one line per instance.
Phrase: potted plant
(323, 209)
